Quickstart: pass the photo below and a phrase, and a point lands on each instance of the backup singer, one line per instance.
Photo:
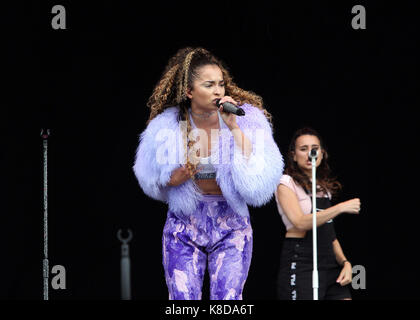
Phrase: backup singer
(294, 204)
(208, 165)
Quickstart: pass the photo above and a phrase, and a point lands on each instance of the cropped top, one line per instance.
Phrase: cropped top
(304, 199)
(206, 167)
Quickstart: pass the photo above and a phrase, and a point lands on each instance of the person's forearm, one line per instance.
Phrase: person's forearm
(322, 217)
(338, 251)
(242, 141)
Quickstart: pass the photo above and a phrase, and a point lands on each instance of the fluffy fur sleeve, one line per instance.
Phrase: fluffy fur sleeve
(156, 156)
(256, 178)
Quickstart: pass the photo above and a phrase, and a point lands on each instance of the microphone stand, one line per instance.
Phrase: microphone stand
(313, 155)
(125, 266)
(45, 133)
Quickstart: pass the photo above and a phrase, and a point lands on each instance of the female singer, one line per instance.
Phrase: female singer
(208, 165)
(294, 203)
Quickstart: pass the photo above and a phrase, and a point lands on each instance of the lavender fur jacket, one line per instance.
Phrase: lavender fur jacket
(242, 180)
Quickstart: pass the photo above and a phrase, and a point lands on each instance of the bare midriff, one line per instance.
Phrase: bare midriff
(295, 233)
(208, 186)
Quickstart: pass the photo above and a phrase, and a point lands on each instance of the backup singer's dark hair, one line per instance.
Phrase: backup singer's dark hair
(323, 171)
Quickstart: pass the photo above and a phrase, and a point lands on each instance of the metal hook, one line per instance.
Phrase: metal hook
(45, 133)
(125, 240)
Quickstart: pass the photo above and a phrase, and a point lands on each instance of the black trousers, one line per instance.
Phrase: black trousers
(294, 280)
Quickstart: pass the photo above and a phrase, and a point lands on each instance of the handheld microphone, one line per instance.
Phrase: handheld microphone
(230, 108)
(313, 154)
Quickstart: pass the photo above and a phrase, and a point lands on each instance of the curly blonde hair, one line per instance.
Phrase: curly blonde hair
(179, 75)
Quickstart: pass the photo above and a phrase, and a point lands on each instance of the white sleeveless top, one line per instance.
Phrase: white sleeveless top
(208, 171)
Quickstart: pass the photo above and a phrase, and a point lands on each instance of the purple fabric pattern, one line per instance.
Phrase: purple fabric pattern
(214, 234)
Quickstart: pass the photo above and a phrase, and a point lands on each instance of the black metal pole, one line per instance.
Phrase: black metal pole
(125, 266)
(45, 133)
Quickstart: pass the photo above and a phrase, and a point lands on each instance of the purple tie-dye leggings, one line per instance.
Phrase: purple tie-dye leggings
(214, 233)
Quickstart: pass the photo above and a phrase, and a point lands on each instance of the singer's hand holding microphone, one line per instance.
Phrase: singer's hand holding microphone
(229, 111)
(227, 104)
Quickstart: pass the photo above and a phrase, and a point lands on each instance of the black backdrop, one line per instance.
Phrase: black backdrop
(89, 84)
